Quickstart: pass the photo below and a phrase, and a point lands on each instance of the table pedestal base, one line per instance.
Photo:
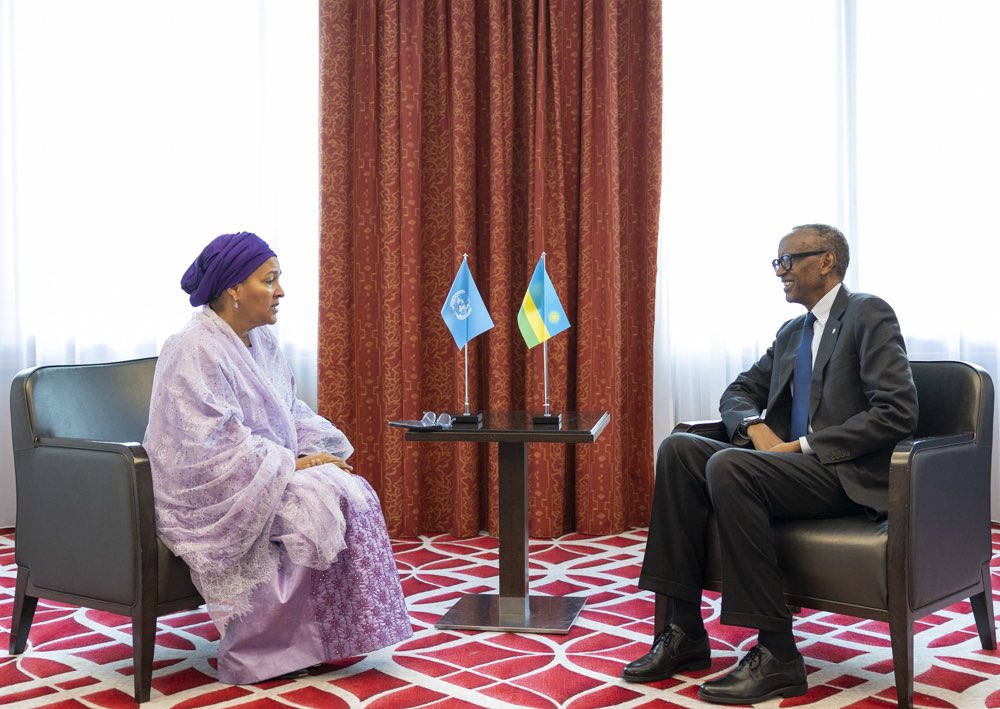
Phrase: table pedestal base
(533, 614)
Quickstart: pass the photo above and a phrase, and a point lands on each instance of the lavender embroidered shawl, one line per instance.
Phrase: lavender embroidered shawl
(225, 428)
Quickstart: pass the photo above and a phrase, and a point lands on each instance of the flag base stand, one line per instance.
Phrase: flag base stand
(553, 421)
(466, 421)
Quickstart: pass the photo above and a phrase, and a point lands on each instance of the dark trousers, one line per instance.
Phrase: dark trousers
(746, 489)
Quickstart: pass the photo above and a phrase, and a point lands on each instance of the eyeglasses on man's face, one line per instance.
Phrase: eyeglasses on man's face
(785, 261)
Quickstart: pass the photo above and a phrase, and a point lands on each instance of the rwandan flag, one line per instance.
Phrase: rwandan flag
(541, 315)
(464, 311)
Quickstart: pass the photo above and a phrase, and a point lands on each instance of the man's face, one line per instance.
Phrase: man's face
(808, 278)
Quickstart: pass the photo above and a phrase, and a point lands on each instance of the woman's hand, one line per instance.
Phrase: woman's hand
(313, 459)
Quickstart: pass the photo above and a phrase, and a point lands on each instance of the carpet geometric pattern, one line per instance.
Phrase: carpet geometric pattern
(82, 658)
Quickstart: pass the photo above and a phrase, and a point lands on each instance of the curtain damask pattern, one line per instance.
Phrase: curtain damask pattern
(499, 129)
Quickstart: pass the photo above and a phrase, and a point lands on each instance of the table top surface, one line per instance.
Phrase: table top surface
(517, 426)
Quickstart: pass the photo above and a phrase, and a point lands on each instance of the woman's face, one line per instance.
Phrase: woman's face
(259, 294)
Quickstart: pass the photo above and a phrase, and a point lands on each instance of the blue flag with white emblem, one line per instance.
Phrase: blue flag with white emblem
(464, 311)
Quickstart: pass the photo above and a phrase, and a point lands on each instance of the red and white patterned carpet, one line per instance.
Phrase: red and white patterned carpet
(82, 658)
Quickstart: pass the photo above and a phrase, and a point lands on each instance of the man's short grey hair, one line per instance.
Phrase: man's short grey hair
(832, 239)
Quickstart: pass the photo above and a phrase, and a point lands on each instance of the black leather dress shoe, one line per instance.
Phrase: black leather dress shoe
(672, 652)
(759, 676)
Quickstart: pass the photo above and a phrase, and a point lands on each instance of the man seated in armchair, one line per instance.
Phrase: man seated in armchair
(812, 426)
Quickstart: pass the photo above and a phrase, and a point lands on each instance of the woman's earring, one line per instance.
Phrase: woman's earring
(236, 304)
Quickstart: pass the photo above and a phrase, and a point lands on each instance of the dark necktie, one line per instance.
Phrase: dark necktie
(801, 380)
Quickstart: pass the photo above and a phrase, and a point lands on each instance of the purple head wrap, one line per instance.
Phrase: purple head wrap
(227, 260)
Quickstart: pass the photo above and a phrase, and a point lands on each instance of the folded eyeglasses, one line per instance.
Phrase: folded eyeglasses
(431, 419)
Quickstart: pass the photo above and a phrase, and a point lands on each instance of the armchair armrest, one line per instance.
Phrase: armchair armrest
(711, 428)
(939, 514)
(127, 448)
(85, 517)
(913, 479)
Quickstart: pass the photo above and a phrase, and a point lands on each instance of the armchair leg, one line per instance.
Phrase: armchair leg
(982, 610)
(901, 638)
(143, 643)
(22, 614)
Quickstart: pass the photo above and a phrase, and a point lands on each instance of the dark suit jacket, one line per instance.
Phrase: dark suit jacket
(862, 400)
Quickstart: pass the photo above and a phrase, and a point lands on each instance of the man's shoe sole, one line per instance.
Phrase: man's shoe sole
(795, 690)
(694, 664)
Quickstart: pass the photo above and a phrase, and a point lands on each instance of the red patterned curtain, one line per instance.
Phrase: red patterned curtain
(500, 129)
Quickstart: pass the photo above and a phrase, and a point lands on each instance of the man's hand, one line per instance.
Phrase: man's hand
(308, 461)
(789, 447)
(762, 437)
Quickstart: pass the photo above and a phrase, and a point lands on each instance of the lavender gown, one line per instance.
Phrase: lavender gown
(295, 566)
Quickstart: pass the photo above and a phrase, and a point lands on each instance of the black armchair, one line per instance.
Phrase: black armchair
(86, 531)
(934, 548)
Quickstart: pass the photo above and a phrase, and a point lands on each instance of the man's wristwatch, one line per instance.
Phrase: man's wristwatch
(748, 422)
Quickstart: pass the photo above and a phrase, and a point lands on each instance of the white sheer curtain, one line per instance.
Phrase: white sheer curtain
(131, 133)
(881, 118)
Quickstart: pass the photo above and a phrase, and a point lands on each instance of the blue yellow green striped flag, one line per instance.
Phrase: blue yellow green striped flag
(541, 315)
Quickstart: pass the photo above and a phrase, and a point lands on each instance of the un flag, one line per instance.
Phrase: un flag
(464, 311)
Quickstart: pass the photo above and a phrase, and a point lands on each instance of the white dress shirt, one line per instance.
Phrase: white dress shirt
(822, 312)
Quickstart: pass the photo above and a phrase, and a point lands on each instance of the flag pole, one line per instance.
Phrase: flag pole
(545, 359)
(467, 419)
(466, 348)
(545, 373)
(465, 258)
(546, 419)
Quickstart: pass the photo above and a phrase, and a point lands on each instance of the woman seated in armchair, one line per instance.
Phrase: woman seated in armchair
(287, 546)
